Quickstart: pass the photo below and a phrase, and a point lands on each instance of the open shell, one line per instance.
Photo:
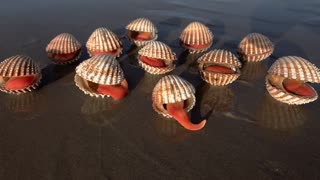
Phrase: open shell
(104, 40)
(100, 69)
(17, 66)
(196, 33)
(64, 43)
(142, 25)
(161, 51)
(171, 89)
(255, 47)
(223, 58)
(292, 67)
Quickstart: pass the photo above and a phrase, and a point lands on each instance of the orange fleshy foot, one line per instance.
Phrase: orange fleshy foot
(112, 53)
(142, 36)
(18, 83)
(197, 46)
(152, 61)
(64, 57)
(219, 69)
(115, 91)
(298, 87)
(177, 111)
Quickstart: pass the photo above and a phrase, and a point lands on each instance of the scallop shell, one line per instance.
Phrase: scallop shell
(255, 47)
(19, 65)
(292, 67)
(104, 40)
(64, 43)
(220, 57)
(100, 69)
(157, 50)
(143, 25)
(171, 89)
(196, 33)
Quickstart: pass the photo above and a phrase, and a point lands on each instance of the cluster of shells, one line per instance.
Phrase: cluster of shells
(101, 75)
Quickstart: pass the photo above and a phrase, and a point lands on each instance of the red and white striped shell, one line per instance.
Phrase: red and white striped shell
(196, 33)
(64, 43)
(159, 51)
(221, 58)
(255, 47)
(19, 66)
(100, 69)
(291, 67)
(103, 40)
(171, 89)
(142, 25)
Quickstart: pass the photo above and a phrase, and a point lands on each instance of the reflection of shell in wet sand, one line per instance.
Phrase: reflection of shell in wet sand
(19, 74)
(279, 116)
(168, 128)
(22, 104)
(66, 46)
(196, 37)
(160, 52)
(148, 82)
(292, 68)
(219, 59)
(104, 41)
(253, 70)
(217, 98)
(142, 25)
(98, 70)
(94, 110)
(255, 47)
(171, 89)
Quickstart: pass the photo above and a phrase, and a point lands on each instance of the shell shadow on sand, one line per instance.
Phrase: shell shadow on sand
(279, 116)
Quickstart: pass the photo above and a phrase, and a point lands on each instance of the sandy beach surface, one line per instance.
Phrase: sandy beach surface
(59, 133)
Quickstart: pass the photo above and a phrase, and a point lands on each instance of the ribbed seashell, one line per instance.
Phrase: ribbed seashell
(100, 69)
(292, 67)
(18, 66)
(223, 58)
(161, 51)
(104, 40)
(64, 43)
(171, 89)
(143, 25)
(196, 33)
(279, 116)
(255, 47)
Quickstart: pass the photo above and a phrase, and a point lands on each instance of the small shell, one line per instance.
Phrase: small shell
(16, 66)
(292, 67)
(100, 69)
(142, 25)
(255, 47)
(104, 40)
(161, 51)
(64, 43)
(219, 57)
(196, 33)
(171, 89)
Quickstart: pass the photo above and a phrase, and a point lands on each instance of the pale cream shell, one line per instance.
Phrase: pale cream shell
(19, 65)
(196, 33)
(284, 96)
(161, 51)
(294, 67)
(64, 43)
(255, 47)
(104, 40)
(171, 89)
(143, 25)
(219, 57)
(100, 69)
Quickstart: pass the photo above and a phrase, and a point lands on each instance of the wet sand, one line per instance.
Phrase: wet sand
(58, 132)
